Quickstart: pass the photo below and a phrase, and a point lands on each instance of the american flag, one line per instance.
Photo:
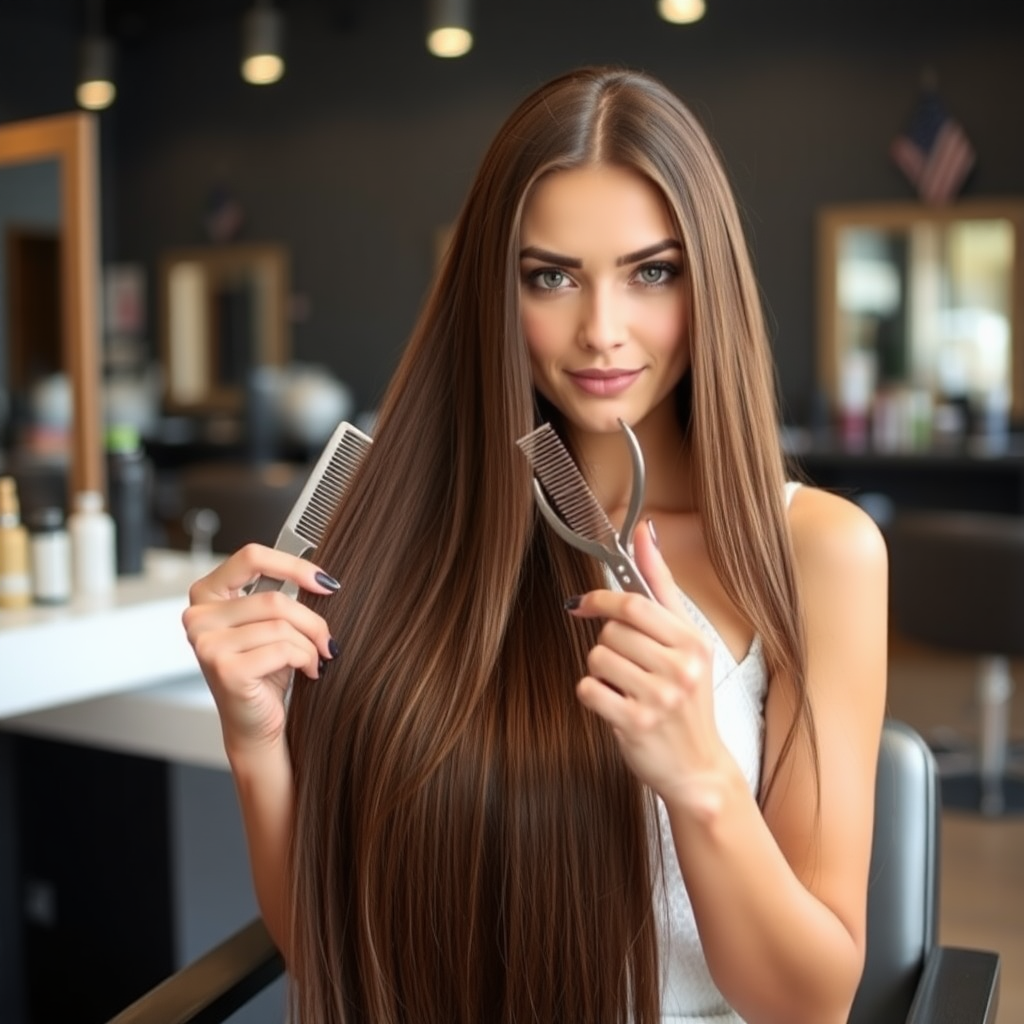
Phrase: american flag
(933, 150)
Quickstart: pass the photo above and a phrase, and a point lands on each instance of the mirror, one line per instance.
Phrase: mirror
(224, 314)
(63, 150)
(926, 299)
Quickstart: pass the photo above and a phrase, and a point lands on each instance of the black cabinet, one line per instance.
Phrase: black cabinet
(91, 878)
(960, 477)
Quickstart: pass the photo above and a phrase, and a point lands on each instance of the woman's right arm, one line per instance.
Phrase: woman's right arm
(248, 647)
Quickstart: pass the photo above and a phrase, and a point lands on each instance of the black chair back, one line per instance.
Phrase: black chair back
(903, 889)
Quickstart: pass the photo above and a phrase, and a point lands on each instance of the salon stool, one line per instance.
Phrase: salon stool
(957, 584)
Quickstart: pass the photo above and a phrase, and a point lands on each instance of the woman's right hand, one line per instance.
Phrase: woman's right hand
(248, 645)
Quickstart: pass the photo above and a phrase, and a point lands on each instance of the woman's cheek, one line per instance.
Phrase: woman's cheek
(536, 331)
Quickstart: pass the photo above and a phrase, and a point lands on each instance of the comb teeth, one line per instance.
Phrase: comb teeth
(564, 484)
(331, 487)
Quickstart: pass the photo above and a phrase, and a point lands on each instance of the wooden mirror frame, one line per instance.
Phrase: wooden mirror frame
(71, 140)
(832, 220)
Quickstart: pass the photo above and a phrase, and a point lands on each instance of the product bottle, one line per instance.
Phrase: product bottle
(51, 557)
(93, 547)
(128, 478)
(15, 581)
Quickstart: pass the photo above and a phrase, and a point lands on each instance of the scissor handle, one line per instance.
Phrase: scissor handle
(636, 497)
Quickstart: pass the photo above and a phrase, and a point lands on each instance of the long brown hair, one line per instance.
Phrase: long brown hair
(468, 845)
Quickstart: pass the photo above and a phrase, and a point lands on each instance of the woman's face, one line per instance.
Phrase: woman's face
(604, 296)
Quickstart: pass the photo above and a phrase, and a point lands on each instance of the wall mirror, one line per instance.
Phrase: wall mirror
(50, 311)
(932, 296)
(223, 314)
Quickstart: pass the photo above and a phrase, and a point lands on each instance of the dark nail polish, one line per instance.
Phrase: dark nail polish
(321, 666)
(572, 603)
(327, 581)
(332, 646)
(653, 532)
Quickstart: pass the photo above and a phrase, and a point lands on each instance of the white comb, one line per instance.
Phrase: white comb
(320, 497)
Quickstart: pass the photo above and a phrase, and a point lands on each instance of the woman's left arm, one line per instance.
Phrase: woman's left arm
(779, 892)
(800, 887)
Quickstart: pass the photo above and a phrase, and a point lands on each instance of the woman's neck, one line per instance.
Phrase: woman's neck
(605, 462)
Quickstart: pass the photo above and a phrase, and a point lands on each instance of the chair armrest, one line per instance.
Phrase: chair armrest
(958, 986)
(210, 989)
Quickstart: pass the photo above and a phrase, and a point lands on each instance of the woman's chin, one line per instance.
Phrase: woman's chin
(603, 422)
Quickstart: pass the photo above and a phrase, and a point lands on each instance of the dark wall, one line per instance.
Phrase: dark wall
(37, 58)
(367, 145)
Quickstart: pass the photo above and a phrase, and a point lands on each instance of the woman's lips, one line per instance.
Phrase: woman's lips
(604, 383)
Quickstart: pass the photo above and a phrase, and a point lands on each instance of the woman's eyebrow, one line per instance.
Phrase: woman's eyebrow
(648, 251)
(534, 253)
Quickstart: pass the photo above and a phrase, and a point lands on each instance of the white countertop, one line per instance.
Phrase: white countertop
(174, 721)
(92, 648)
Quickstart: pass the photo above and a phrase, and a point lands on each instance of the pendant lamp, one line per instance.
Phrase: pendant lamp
(681, 12)
(262, 44)
(448, 31)
(96, 89)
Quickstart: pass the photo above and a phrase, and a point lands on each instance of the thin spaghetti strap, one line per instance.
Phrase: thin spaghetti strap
(792, 486)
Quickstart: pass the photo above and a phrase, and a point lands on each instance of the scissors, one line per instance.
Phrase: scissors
(586, 525)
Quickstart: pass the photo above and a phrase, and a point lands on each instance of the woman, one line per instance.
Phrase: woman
(513, 793)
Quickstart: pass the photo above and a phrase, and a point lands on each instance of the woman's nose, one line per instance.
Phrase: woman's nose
(603, 324)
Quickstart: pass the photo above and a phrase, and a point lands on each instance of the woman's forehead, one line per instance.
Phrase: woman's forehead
(596, 205)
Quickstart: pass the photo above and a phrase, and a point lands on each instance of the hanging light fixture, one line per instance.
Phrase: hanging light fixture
(681, 12)
(96, 89)
(448, 32)
(262, 35)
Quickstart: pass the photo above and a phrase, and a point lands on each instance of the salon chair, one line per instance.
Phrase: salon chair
(908, 977)
(957, 585)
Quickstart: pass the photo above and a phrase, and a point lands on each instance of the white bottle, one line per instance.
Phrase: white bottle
(93, 552)
(51, 557)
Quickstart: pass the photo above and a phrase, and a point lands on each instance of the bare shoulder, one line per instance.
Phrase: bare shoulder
(842, 573)
(832, 534)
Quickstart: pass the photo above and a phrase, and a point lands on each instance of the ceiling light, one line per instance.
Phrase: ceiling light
(96, 88)
(681, 12)
(262, 34)
(448, 33)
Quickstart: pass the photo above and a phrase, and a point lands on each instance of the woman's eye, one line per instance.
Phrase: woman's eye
(656, 273)
(548, 279)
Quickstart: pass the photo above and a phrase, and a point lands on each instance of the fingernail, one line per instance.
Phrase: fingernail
(653, 532)
(327, 581)
(332, 646)
(321, 665)
(572, 603)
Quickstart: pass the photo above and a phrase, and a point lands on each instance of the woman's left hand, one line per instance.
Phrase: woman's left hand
(650, 679)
